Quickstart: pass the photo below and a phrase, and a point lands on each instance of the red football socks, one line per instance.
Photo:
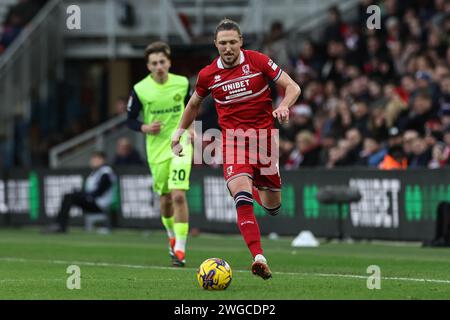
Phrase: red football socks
(247, 222)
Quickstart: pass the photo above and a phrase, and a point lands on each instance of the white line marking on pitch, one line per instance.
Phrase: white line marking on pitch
(137, 266)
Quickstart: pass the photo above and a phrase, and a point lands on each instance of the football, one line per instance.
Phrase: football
(214, 274)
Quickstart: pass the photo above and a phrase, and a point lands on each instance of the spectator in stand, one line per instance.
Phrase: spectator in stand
(433, 136)
(424, 83)
(420, 113)
(376, 98)
(301, 119)
(306, 152)
(335, 28)
(421, 155)
(395, 137)
(409, 136)
(308, 64)
(378, 124)
(395, 104)
(126, 155)
(372, 154)
(445, 161)
(394, 159)
(355, 145)
(444, 100)
(17, 17)
(275, 46)
(407, 87)
(327, 142)
(444, 117)
(11, 29)
(392, 8)
(334, 63)
(437, 157)
(120, 106)
(340, 119)
(337, 154)
(354, 44)
(360, 113)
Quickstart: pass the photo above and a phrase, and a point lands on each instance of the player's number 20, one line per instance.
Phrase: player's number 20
(180, 174)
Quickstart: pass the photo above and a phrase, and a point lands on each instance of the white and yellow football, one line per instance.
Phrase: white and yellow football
(214, 274)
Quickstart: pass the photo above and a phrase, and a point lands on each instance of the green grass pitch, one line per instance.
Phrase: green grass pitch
(131, 264)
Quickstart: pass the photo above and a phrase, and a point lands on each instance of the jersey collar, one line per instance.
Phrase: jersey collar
(220, 64)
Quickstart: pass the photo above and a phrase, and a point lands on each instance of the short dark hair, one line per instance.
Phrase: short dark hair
(227, 24)
(157, 47)
(99, 154)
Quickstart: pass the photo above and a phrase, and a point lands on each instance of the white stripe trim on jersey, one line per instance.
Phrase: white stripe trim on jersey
(278, 75)
(274, 66)
(220, 63)
(234, 80)
(238, 95)
(268, 188)
(239, 175)
(243, 98)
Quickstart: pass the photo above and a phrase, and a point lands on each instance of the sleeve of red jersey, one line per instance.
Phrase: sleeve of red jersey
(201, 87)
(269, 68)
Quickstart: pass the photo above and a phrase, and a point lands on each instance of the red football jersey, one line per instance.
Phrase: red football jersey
(241, 93)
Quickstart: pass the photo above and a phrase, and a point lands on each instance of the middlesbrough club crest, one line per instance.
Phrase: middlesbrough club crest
(246, 69)
(229, 170)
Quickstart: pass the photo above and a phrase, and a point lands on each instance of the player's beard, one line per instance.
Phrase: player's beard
(229, 64)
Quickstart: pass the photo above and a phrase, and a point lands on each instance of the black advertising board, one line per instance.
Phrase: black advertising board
(395, 205)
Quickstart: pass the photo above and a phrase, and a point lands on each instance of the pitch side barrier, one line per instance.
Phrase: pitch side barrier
(395, 205)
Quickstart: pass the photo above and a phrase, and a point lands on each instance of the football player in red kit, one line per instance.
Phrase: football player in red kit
(238, 81)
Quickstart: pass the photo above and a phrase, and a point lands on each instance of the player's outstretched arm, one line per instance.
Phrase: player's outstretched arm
(189, 115)
(292, 92)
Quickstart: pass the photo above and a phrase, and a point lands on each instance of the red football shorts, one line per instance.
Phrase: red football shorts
(260, 163)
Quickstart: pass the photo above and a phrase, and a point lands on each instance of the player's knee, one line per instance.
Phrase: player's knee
(178, 198)
(165, 199)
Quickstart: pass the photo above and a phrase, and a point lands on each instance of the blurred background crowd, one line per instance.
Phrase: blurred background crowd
(377, 98)
(370, 97)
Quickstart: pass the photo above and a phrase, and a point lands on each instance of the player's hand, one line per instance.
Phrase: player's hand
(282, 114)
(177, 148)
(152, 128)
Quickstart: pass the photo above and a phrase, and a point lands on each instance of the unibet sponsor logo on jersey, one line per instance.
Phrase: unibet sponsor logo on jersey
(237, 89)
(378, 206)
(236, 86)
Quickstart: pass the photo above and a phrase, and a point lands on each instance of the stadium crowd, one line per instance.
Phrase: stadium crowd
(371, 97)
